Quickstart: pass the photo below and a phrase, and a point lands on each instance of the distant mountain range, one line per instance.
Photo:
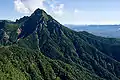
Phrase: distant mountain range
(40, 48)
(112, 31)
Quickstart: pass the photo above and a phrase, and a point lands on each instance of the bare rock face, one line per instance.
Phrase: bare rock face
(6, 37)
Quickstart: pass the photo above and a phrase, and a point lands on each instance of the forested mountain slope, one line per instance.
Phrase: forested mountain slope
(40, 48)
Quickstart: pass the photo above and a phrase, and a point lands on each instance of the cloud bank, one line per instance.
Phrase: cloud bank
(29, 6)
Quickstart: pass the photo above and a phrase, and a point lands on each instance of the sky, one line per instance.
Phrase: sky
(75, 12)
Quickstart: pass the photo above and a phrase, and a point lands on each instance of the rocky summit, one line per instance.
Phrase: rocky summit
(38, 47)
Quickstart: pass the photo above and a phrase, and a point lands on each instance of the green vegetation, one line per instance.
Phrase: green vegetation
(24, 64)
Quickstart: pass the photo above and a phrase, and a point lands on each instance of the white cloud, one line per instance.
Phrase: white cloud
(76, 11)
(20, 7)
(29, 6)
(58, 9)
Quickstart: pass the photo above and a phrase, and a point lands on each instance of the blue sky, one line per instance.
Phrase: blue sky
(7, 10)
(65, 11)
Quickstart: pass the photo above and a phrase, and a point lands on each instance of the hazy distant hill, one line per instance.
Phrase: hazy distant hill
(99, 30)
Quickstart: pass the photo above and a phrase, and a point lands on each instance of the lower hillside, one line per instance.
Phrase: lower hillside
(23, 64)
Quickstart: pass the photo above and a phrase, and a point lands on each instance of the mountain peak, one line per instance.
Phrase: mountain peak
(32, 22)
(39, 12)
